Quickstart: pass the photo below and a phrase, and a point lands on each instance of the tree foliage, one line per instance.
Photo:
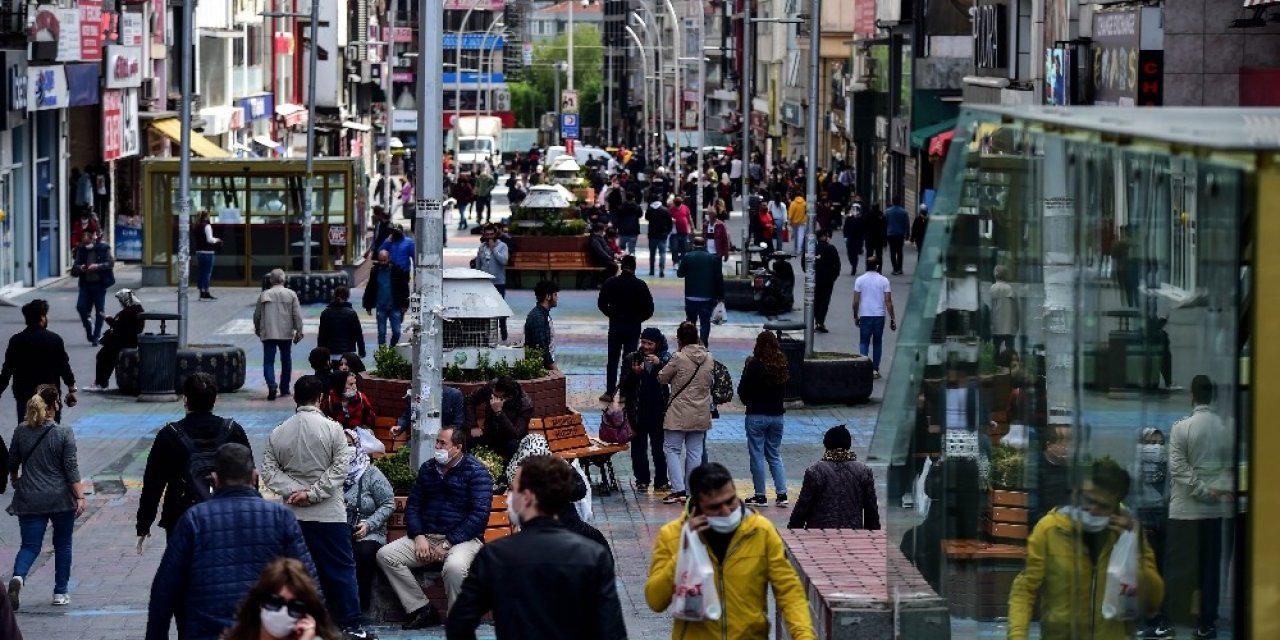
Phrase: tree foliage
(535, 95)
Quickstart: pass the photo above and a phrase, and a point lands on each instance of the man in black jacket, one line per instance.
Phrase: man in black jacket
(340, 326)
(510, 576)
(36, 356)
(388, 292)
(601, 254)
(626, 301)
(95, 269)
(660, 224)
(827, 269)
(627, 220)
(167, 463)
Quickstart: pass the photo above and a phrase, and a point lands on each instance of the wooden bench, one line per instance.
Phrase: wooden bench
(499, 525)
(567, 437)
(549, 265)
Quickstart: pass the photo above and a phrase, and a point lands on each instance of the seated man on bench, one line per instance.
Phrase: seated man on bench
(445, 515)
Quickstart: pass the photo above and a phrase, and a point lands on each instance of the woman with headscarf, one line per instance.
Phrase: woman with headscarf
(370, 502)
(535, 444)
(122, 333)
(838, 491)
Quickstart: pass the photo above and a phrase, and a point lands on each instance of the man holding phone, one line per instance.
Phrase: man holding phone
(729, 528)
(492, 258)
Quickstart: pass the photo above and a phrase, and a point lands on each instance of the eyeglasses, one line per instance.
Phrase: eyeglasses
(297, 608)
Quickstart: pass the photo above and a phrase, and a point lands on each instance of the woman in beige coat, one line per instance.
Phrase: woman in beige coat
(689, 373)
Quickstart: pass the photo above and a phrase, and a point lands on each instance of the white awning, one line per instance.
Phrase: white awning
(269, 143)
(358, 126)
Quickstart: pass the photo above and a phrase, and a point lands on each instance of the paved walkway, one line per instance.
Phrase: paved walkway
(110, 582)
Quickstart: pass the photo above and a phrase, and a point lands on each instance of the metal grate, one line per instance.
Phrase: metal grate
(470, 332)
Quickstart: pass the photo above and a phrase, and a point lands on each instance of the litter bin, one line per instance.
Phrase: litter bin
(158, 361)
(793, 349)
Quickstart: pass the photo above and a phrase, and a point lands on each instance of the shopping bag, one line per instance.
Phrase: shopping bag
(718, 314)
(922, 499)
(583, 506)
(370, 443)
(1120, 597)
(695, 598)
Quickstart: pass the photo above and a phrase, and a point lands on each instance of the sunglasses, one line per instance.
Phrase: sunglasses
(297, 608)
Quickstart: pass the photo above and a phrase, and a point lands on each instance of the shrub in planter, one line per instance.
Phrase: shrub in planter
(388, 363)
(396, 468)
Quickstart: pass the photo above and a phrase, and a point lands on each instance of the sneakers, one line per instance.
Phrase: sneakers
(95, 388)
(15, 589)
(1157, 632)
(756, 501)
(61, 599)
(782, 500)
(1205, 633)
(876, 374)
(821, 329)
(675, 497)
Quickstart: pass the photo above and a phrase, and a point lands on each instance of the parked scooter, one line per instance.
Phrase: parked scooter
(774, 285)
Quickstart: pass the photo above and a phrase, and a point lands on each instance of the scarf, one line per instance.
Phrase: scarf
(359, 463)
(534, 444)
(839, 455)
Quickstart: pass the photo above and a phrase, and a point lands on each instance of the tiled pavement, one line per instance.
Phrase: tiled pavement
(110, 582)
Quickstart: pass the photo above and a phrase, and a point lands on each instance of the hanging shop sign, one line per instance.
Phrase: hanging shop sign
(1114, 67)
(14, 99)
(124, 67)
(47, 88)
(90, 30)
(131, 29)
(990, 35)
(792, 113)
(56, 27)
(120, 136)
(257, 107)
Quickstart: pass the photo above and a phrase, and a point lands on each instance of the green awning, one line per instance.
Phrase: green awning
(920, 137)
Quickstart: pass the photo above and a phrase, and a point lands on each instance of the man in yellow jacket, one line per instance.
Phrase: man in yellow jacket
(798, 218)
(1067, 557)
(748, 555)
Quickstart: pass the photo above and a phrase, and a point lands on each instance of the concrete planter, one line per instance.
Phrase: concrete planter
(837, 380)
(226, 363)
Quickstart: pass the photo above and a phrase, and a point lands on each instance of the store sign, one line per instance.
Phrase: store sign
(337, 236)
(47, 88)
(90, 30)
(14, 112)
(257, 107)
(402, 35)
(990, 35)
(404, 120)
(131, 29)
(124, 67)
(900, 135)
(792, 113)
(1150, 78)
(479, 5)
(472, 41)
(403, 76)
(864, 17)
(526, 54)
(1114, 67)
(58, 26)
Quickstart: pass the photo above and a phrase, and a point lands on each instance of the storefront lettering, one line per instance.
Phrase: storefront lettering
(1115, 25)
(989, 34)
(17, 89)
(1115, 69)
(1151, 78)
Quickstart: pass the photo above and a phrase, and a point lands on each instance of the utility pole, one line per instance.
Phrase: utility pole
(388, 89)
(308, 212)
(556, 72)
(748, 70)
(569, 81)
(811, 170)
(184, 172)
(429, 234)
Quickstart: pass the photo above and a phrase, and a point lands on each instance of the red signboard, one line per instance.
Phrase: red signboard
(90, 30)
(112, 121)
(864, 17)
(1150, 78)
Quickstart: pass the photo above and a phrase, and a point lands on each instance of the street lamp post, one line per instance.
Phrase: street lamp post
(650, 35)
(748, 79)
(184, 173)
(457, 80)
(677, 95)
(644, 64)
(487, 56)
(811, 169)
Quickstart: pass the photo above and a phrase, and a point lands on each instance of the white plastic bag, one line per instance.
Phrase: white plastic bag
(584, 505)
(695, 598)
(718, 314)
(369, 442)
(922, 498)
(1120, 597)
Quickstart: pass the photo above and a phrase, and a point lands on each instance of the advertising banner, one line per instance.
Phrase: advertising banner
(1115, 57)
(90, 30)
(124, 67)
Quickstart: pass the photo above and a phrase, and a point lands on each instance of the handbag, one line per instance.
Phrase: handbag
(614, 426)
(23, 463)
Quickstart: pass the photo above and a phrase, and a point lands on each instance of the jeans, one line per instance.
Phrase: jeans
(701, 310)
(679, 247)
(870, 335)
(646, 442)
(677, 468)
(395, 316)
(764, 443)
(628, 244)
(269, 348)
(895, 252)
(204, 262)
(32, 530)
(93, 297)
(330, 547)
(623, 339)
(797, 237)
(502, 321)
(658, 249)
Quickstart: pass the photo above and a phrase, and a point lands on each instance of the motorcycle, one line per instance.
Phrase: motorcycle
(774, 284)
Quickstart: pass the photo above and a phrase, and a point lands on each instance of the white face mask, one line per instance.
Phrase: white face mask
(1152, 452)
(726, 524)
(350, 393)
(277, 624)
(442, 456)
(1088, 521)
(511, 509)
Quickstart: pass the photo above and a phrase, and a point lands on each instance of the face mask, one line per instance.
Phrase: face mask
(726, 524)
(1152, 452)
(1088, 521)
(350, 393)
(442, 456)
(278, 624)
(511, 509)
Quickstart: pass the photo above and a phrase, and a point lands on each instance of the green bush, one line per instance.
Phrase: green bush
(397, 469)
(1008, 466)
(390, 364)
(528, 368)
(491, 461)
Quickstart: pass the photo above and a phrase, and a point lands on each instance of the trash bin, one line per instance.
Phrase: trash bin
(793, 349)
(158, 360)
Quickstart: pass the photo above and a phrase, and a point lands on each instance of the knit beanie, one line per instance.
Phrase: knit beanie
(837, 437)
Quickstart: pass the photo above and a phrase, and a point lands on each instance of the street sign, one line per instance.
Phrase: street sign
(569, 125)
(337, 236)
(527, 54)
(568, 101)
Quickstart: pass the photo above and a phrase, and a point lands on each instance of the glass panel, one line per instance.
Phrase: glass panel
(274, 201)
(1068, 365)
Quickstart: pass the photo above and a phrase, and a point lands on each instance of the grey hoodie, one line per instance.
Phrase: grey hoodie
(689, 373)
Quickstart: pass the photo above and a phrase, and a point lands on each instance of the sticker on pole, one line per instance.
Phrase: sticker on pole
(569, 125)
(569, 101)
(337, 236)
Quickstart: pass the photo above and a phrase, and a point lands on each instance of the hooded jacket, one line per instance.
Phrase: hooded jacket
(756, 559)
(689, 372)
(340, 329)
(1070, 584)
(643, 396)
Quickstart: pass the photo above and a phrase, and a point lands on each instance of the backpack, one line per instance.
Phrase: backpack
(721, 384)
(197, 477)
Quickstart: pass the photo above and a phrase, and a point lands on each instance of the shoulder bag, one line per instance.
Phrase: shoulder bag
(686, 384)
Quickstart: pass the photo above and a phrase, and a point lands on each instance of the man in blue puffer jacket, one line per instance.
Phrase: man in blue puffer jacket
(217, 550)
(445, 516)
